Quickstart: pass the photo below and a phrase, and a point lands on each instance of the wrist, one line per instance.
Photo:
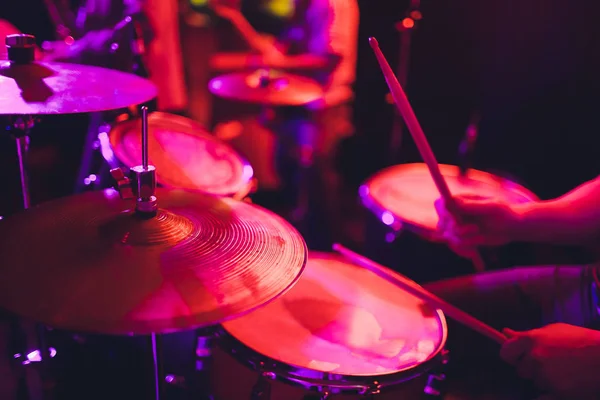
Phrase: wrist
(522, 227)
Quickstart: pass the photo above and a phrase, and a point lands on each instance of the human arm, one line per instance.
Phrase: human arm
(573, 218)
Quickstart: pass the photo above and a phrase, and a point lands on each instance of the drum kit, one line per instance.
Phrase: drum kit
(146, 260)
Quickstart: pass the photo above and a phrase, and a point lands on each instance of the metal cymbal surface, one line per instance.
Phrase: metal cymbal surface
(89, 263)
(266, 87)
(53, 88)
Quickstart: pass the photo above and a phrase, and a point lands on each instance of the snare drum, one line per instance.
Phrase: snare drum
(403, 235)
(185, 155)
(341, 329)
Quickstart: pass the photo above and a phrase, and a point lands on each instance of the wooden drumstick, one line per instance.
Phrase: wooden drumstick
(405, 109)
(428, 297)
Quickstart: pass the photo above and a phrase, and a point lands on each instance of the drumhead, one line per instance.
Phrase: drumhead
(342, 319)
(406, 193)
(185, 155)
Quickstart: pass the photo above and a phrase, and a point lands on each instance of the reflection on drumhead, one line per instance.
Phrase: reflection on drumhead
(343, 319)
(407, 192)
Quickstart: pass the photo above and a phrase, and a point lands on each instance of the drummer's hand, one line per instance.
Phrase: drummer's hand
(482, 222)
(561, 359)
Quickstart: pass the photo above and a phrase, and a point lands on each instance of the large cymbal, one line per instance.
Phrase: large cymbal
(52, 88)
(267, 87)
(88, 263)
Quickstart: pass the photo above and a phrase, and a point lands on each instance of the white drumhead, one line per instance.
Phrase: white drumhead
(185, 155)
(340, 318)
(407, 192)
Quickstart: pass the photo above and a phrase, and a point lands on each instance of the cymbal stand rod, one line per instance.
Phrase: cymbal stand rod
(156, 366)
(145, 138)
(144, 176)
(22, 146)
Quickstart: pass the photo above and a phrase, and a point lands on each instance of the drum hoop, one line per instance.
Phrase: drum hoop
(398, 223)
(305, 377)
(336, 383)
(117, 130)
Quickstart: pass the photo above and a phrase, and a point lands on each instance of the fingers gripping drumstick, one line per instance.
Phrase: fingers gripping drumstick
(416, 290)
(416, 131)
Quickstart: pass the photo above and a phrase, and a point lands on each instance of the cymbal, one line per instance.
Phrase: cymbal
(88, 263)
(305, 62)
(41, 88)
(267, 87)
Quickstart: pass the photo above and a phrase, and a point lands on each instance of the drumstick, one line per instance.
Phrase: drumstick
(428, 297)
(418, 135)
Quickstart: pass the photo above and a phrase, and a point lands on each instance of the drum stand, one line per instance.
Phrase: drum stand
(142, 187)
(19, 127)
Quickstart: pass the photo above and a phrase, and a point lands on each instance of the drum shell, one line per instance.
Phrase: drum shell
(234, 379)
(424, 258)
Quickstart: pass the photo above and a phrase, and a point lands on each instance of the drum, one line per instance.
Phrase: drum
(402, 199)
(185, 155)
(404, 195)
(340, 330)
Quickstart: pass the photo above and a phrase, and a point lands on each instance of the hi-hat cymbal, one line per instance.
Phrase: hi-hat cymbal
(42, 88)
(267, 87)
(88, 263)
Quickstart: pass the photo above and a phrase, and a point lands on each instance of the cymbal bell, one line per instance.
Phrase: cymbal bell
(267, 87)
(40, 88)
(90, 263)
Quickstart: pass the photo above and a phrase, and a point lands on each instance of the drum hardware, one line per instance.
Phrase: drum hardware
(437, 378)
(194, 380)
(262, 388)
(467, 145)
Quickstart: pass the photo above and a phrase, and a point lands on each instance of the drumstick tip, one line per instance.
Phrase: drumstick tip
(336, 247)
(373, 42)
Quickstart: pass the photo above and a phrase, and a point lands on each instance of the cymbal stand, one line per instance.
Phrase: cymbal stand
(21, 51)
(19, 127)
(141, 186)
(406, 27)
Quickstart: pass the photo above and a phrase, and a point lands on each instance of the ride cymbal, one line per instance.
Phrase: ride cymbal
(266, 87)
(89, 263)
(40, 88)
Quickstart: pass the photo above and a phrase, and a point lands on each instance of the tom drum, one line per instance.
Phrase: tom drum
(402, 199)
(185, 155)
(340, 330)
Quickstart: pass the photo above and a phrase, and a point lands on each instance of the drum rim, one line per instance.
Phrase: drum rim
(116, 132)
(338, 383)
(398, 223)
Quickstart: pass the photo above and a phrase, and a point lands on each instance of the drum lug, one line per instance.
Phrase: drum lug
(436, 379)
(370, 391)
(317, 396)
(262, 387)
